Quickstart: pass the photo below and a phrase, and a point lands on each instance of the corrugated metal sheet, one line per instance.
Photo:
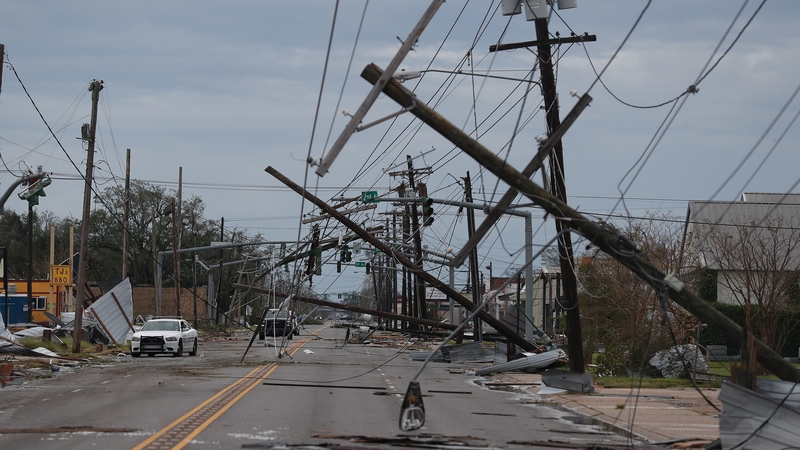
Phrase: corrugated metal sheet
(113, 312)
(750, 420)
(538, 361)
(8, 339)
(9, 344)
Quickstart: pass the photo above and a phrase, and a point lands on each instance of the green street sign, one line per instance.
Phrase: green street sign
(370, 197)
(361, 264)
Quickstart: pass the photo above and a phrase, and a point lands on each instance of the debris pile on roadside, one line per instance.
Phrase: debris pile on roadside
(108, 321)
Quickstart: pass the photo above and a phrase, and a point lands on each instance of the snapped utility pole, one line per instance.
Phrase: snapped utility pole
(355, 119)
(94, 87)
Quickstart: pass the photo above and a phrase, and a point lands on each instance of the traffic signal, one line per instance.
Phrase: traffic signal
(318, 261)
(338, 267)
(368, 268)
(35, 189)
(427, 211)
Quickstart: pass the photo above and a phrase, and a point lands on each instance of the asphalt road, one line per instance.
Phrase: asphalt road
(318, 393)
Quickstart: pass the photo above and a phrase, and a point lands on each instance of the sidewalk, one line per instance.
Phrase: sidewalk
(658, 415)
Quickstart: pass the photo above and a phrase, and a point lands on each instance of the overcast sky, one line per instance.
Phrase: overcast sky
(225, 89)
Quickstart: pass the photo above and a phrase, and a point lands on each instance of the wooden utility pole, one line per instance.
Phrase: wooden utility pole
(559, 189)
(126, 220)
(194, 271)
(2, 58)
(406, 308)
(154, 251)
(30, 262)
(52, 263)
(176, 262)
(95, 87)
(221, 256)
(605, 240)
(402, 259)
(473, 257)
(419, 285)
(177, 229)
(71, 262)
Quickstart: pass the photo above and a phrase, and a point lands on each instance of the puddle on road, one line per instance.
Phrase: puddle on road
(560, 413)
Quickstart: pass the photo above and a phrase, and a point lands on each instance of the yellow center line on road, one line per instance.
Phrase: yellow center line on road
(179, 433)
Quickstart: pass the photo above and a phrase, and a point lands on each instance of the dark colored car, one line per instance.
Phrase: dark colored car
(278, 323)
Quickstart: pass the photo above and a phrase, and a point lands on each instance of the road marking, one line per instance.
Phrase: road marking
(183, 430)
(76, 390)
(107, 381)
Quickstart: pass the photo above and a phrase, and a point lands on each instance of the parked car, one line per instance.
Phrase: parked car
(164, 335)
(279, 323)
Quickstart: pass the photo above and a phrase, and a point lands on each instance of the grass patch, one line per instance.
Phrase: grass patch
(721, 368)
(32, 343)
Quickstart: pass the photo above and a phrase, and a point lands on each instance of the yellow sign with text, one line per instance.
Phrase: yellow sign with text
(61, 275)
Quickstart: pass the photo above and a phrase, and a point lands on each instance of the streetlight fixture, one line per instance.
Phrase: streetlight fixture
(534, 9)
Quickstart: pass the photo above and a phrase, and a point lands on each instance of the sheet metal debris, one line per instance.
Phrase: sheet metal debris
(416, 440)
(761, 420)
(570, 381)
(535, 361)
(113, 313)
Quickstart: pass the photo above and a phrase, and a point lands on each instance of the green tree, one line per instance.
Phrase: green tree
(621, 311)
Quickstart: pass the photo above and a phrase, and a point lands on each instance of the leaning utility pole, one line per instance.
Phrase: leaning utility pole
(559, 190)
(607, 241)
(95, 87)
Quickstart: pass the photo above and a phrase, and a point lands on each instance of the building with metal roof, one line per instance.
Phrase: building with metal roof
(743, 241)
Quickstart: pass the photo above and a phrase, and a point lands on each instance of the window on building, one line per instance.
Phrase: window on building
(39, 303)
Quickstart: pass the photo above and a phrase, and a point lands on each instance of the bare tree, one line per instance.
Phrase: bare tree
(758, 266)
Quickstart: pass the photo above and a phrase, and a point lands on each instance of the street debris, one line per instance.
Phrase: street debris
(530, 361)
(675, 361)
(764, 419)
(571, 381)
(112, 314)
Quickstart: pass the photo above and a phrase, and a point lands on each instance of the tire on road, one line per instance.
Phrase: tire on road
(193, 351)
(179, 351)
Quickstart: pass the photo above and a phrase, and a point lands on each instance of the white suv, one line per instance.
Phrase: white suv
(164, 336)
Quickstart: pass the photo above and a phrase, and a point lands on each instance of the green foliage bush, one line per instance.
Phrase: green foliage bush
(736, 313)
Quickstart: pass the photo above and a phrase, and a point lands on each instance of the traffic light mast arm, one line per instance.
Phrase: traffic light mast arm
(23, 179)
